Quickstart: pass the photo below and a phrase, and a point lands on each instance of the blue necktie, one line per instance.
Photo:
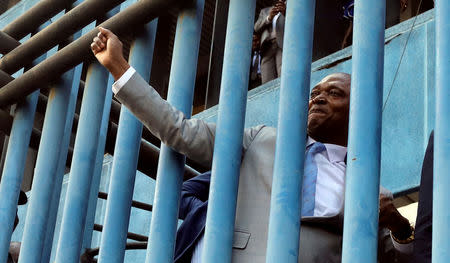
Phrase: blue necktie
(310, 178)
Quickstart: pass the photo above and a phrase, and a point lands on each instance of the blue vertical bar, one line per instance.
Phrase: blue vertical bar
(47, 163)
(285, 204)
(126, 153)
(163, 227)
(49, 236)
(229, 132)
(51, 222)
(14, 165)
(46, 170)
(14, 168)
(364, 143)
(97, 174)
(83, 162)
(441, 184)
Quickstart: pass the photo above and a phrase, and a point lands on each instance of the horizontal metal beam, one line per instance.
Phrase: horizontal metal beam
(137, 14)
(130, 235)
(53, 34)
(7, 43)
(136, 204)
(34, 17)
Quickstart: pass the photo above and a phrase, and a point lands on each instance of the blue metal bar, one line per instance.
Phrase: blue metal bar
(14, 168)
(126, 153)
(441, 184)
(364, 144)
(285, 204)
(97, 174)
(51, 222)
(46, 170)
(163, 226)
(55, 200)
(15, 164)
(229, 132)
(83, 162)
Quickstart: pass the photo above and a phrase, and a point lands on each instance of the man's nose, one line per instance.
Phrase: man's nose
(320, 99)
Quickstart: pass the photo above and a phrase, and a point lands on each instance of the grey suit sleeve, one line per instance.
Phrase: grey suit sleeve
(191, 137)
(262, 21)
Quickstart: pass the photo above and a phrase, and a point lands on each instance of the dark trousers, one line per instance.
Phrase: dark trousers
(422, 239)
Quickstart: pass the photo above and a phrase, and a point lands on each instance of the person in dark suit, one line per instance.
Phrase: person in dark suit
(193, 206)
(422, 237)
(270, 26)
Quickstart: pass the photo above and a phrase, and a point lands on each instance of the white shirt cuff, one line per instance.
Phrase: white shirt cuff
(406, 249)
(123, 80)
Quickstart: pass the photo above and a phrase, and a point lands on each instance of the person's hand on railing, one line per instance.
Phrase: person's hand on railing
(391, 218)
(107, 48)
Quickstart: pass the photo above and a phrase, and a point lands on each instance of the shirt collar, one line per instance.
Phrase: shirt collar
(335, 153)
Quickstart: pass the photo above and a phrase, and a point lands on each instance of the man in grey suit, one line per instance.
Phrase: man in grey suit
(270, 26)
(321, 231)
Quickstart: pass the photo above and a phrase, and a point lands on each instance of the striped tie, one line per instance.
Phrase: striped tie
(310, 178)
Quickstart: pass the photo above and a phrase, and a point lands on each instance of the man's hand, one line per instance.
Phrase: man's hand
(281, 7)
(273, 12)
(391, 218)
(107, 48)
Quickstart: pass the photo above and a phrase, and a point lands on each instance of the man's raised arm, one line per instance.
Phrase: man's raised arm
(192, 137)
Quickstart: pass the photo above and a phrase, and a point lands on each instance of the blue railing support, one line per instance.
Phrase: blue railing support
(51, 222)
(364, 143)
(83, 162)
(14, 167)
(441, 184)
(13, 170)
(97, 172)
(40, 215)
(285, 205)
(98, 167)
(229, 133)
(46, 169)
(163, 226)
(126, 153)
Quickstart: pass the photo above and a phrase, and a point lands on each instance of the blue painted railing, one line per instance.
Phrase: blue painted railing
(364, 140)
(441, 184)
(161, 244)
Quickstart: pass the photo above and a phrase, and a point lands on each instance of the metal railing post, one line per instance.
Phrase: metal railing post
(56, 193)
(40, 215)
(97, 173)
(163, 226)
(83, 163)
(229, 133)
(126, 153)
(285, 205)
(14, 166)
(98, 166)
(441, 184)
(364, 143)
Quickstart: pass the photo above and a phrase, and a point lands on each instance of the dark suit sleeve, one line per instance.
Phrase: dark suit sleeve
(422, 237)
(194, 193)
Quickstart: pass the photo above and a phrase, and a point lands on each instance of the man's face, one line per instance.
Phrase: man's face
(329, 107)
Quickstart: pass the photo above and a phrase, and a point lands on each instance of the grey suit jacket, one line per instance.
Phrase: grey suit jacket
(320, 241)
(264, 27)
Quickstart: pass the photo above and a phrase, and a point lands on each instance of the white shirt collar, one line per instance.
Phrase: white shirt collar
(336, 153)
